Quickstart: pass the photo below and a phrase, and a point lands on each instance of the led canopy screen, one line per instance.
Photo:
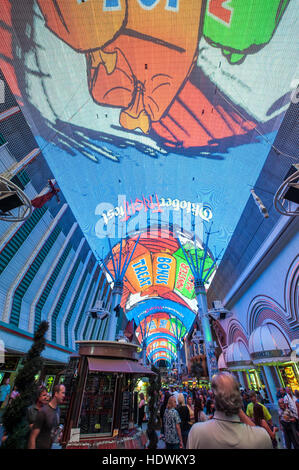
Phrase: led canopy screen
(168, 99)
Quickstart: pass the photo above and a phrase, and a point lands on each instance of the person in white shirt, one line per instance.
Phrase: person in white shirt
(230, 428)
(290, 401)
(176, 394)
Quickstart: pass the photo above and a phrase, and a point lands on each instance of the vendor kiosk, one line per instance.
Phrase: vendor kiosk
(100, 383)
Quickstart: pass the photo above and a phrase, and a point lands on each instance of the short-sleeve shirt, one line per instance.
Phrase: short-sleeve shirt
(285, 415)
(227, 432)
(46, 421)
(32, 412)
(291, 403)
(171, 418)
(249, 411)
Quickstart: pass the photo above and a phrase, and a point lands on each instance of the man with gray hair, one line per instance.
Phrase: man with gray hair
(230, 428)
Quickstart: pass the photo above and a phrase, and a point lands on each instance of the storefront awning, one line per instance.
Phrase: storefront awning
(237, 356)
(267, 344)
(117, 365)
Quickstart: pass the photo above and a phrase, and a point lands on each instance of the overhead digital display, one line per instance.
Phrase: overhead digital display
(160, 325)
(161, 331)
(158, 267)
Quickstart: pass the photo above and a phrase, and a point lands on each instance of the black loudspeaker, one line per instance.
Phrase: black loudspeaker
(9, 201)
(222, 315)
(292, 194)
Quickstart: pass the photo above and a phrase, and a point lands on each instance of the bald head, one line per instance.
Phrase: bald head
(227, 394)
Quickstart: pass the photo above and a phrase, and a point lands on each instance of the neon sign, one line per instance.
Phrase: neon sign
(125, 210)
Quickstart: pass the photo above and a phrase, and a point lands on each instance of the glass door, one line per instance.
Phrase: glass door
(98, 404)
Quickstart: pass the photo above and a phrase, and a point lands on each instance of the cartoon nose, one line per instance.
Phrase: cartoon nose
(108, 59)
(135, 116)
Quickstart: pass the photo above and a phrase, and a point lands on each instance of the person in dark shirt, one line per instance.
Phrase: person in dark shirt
(33, 410)
(47, 421)
(184, 414)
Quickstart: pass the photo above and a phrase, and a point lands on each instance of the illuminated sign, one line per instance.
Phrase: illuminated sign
(128, 209)
(289, 377)
(49, 382)
(124, 210)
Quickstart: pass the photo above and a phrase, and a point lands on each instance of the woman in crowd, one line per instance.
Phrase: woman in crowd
(200, 416)
(191, 411)
(4, 391)
(185, 417)
(13, 394)
(172, 429)
(259, 420)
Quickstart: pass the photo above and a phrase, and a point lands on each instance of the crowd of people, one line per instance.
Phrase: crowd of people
(226, 416)
(223, 417)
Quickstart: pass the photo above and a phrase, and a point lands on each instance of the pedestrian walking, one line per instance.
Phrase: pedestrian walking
(32, 410)
(287, 425)
(185, 417)
(230, 428)
(46, 425)
(172, 429)
(4, 391)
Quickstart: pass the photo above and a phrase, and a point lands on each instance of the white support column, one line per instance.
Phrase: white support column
(271, 383)
(201, 296)
(116, 299)
(241, 380)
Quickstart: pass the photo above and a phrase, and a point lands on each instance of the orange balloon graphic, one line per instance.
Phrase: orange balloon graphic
(154, 54)
(83, 25)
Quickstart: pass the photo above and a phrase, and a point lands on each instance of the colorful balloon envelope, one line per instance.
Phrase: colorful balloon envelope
(154, 56)
(184, 282)
(83, 25)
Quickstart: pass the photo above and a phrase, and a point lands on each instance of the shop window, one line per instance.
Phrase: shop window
(49, 382)
(289, 375)
(252, 380)
(98, 404)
